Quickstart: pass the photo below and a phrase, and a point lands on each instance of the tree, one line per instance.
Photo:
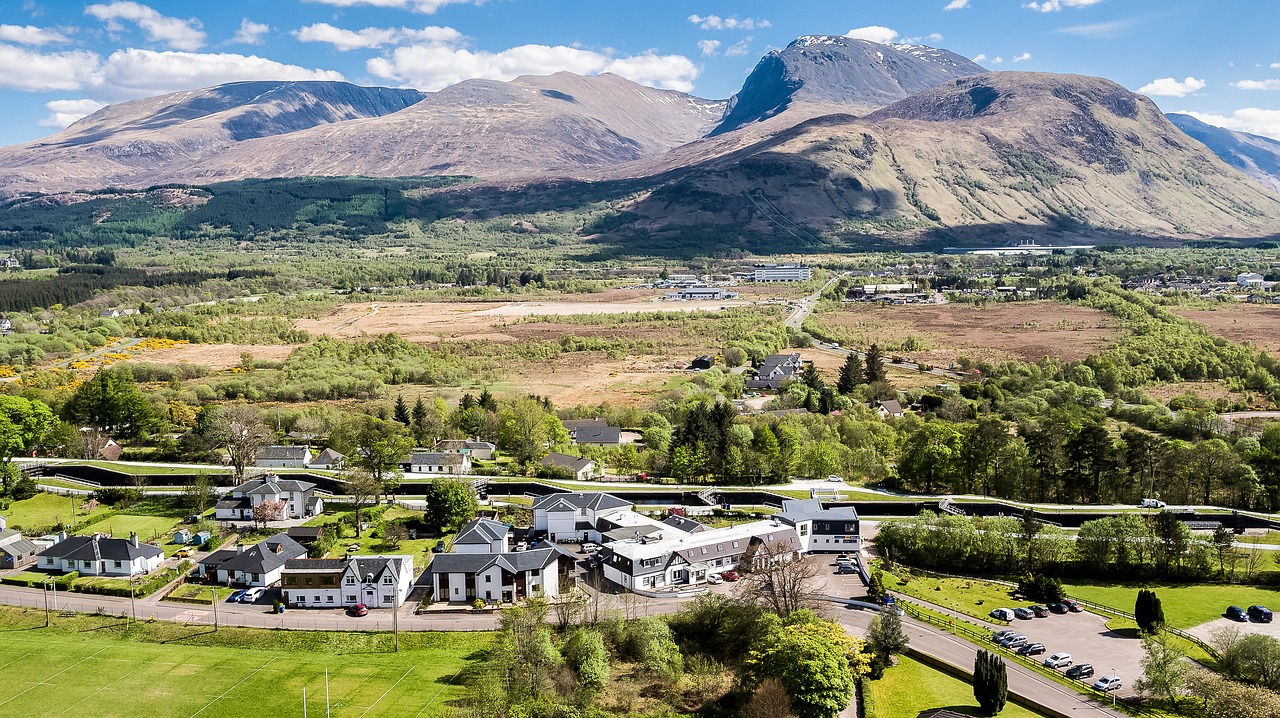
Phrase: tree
(112, 401)
(525, 429)
(23, 425)
(198, 493)
(931, 457)
(361, 490)
(401, 411)
(380, 447)
(657, 432)
(1224, 541)
(1164, 667)
(850, 375)
(875, 588)
(1148, 612)
(814, 660)
(268, 511)
(243, 434)
(393, 534)
(875, 370)
(450, 503)
(1228, 699)
(769, 700)
(990, 682)
(586, 653)
(779, 579)
(885, 636)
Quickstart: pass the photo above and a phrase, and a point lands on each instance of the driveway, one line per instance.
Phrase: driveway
(1205, 630)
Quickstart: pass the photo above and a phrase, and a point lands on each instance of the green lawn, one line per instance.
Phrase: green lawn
(1184, 605)
(42, 511)
(147, 528)
(911, 687)
(968, 596)
(1271, 538)
(94, 666)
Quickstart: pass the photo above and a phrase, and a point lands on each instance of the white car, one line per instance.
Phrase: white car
(252, 595)
(714, 579)
(1108, 683)
(1151, 504)
(1058, 660)
(835, 479)
(1004, 614)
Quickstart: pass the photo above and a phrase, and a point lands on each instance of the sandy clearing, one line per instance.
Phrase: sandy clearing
(217, 357)
(1255, 323)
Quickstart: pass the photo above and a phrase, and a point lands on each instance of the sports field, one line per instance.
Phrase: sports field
(97, 672)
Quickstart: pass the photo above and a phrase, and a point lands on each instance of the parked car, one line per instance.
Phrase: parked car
(834, 479)
(353, 548)
(1236, 613)
(999, 636)
(847, 568)
(888, 600)
(1151, 504)
(439, 547)
(1023, 613)
(729, 575)
(236, 596)
(358, 610)
(1260, 613)
(1003, 614)
(590, 547)
(1080, 671)
(253, 594)
(1014, 642)
(1057, 608)
(1040, 611)
(1072, 605)
(714, 578)
(182, 553)
(1108, 683)
(1058, 660)
(1031, 649)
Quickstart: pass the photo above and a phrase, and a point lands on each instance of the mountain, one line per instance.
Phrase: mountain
(534, 125)
(1258, 157)
(123, 143)
(984, 159)
(858, 75)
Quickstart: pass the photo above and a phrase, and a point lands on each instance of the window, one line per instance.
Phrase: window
(488, 578)
(328, 598)
(735, 544)
(534, 572)
(118, 564)
(387, 580)
(386, 599)
(351, 580)
(704, 550)
(804, 529)
(317, 599)
(350, 599)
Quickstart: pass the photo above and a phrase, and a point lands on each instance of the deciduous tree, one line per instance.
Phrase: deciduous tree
(23, 424)
(243, 434)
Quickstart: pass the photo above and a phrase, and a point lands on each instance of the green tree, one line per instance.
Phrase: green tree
(931, 457)
(586, 653)
(990, 682)
(875, 589)
(526, 428)
(1164, 667)
(401, 412)
(380, 447)
(657, 432)
(850, 375)
(814, 660)
(885, 636)
(875, 369)
(450, 504)
(361, 489)
(23, 426)
(243, 434)
(1148, 612)
(112, 401)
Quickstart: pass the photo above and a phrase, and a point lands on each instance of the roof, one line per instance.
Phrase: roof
(436, 458)
(259, 558)
(796, 510)
(304, 532)
(451, 445)
(482, 445)
(594, 500)
(280, 453)
(99, 547)
(511, 562)
(598, 435)
(572, 463)
(482, 531)
(361, 566)
(681, 523)
(575, 424)
(273, 485)
(892, 406)
(629, 533)
(238, 502)
(328, 456)
(315, 564)
(19, 547)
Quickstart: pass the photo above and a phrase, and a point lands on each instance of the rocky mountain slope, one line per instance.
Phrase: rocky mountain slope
(1258, 157)
(132, 143)
(829, 70)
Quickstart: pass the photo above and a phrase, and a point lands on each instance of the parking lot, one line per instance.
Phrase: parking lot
(1205, 630)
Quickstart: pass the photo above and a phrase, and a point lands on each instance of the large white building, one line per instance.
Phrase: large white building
(576, 516)
(676, 558)
(100, 555)
(482, 566)
(299, 496)
(375, 581)
(782, 273)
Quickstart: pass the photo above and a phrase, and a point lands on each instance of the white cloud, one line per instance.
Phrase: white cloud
(931, 37)
(23, 69)
(997, 60)
(64, 112)
(1056, 5)
(1257, 84)
(432, 67)
(370, 37)
(426, 7)
(1023, 57)
(250, 32)
(873, 33)
(1249, 119)
(715, 22)
(981, 56)
(30, 35)
(177, 34)
(957, 5)
(133, 73)
(1098, 29)
(739, 48)
(1170, 87)
(708, 47)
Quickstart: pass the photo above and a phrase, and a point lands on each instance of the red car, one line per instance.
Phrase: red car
(730, 575)
(358, 610)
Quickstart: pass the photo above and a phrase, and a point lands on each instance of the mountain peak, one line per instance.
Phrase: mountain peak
(833, 69)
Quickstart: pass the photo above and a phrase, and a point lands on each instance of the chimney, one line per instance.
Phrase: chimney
(62, 536)
(133, 539)
(239, 548)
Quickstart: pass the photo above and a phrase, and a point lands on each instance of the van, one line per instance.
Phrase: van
(1151, 504)
(1003, 614)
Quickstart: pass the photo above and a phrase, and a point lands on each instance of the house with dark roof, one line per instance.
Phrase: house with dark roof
(572, 425)
(889, 408)
(822, 530)
(483, 536)
(438, 463)
(482, 450)
(257, 565)
(580, 468)
(598, 436)
(327, 460)
(576, 516)
(100, 555)
(507, 577)
(305, 535)
(283, 457)
(375, 581)
(675, 559)
(687, 525)
(15, 551)
(774, 371)
(300, 499)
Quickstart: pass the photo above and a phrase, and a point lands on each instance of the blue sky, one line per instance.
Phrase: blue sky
(60, 59)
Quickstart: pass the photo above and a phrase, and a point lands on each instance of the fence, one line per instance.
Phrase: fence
(1119, 613)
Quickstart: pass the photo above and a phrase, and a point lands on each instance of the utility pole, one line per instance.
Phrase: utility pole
(395, 622)
(46, 604)
(215, 612)
(326, 693)
(133, 607)
(304, 702)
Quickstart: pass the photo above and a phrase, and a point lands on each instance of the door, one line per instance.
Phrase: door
(369, 594)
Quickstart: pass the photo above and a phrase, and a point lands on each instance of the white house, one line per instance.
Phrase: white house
(375, 581)
(507, 577)
(1250, 279)
(258, 565)
(483, 536)
(482, 450)
(675, 559)
(327, 460)
(575, 516)
(99, 555)
(889, 408)
(439, 463)
(284, 457)
(299, 497)
(581, 469)
(822, 530)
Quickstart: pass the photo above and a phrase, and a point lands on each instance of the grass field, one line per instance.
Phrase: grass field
(1184, 606)
(971, 597)
(911, 687)
(148, 528)
(93, 666)
(42, 511)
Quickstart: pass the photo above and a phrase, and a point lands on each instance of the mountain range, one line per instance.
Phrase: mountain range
(831, 141)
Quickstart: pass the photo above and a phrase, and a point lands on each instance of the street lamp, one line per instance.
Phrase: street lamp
(133, 607)
(1113, 691)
